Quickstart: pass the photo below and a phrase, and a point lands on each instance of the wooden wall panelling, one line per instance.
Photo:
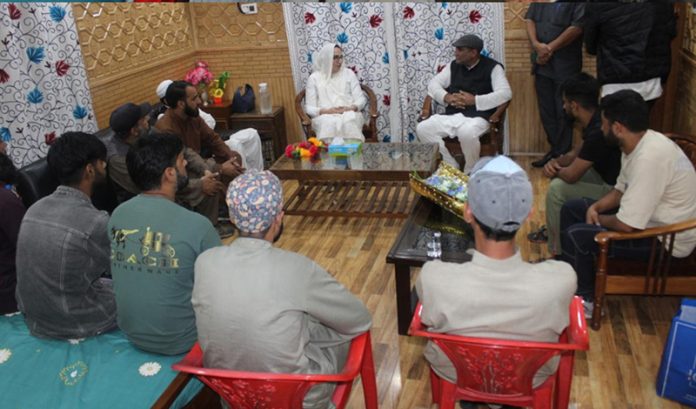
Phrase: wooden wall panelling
(685, 106)
(128, 48)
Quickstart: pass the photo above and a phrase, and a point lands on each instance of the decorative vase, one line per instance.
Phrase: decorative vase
(204, 97)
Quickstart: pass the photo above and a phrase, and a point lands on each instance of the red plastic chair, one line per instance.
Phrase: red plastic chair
(501, 371)
(249, 390)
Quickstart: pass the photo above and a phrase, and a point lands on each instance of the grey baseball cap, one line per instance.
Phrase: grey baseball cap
(500, 194)
(469, 41)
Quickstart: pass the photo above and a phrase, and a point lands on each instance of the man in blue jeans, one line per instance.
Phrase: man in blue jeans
(656, 187)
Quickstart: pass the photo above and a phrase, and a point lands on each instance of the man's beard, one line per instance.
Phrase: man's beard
(181, 181)
(192, 112)
(611, 139)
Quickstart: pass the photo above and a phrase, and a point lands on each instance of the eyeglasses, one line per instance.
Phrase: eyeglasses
(337, 57)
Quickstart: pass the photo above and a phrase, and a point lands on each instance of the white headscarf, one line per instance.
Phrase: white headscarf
(323, 61)
(334, 84)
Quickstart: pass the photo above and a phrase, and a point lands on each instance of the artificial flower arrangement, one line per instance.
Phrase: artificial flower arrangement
(218, 88)
(306, 149)
(199, 76)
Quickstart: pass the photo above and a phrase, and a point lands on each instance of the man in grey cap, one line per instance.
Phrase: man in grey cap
(471, 87)
(496, 294)
(263, 309)
(129, 122)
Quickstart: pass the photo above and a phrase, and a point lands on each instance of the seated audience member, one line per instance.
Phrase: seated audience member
(129, 122)
(263, 309)
(63, 248)
(11, 213)
(496, 294)
(333, 98)
(183, 120)
(656, 187)
(472, 87)
(154, 243)
(246, 141)
(589, 170)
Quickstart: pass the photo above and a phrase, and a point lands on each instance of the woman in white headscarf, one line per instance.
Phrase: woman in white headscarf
(334, 99)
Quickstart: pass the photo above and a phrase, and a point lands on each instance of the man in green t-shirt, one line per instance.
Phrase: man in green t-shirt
(154, 244)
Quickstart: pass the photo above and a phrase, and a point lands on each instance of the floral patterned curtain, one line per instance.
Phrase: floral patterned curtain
(395, 48)
(43, 83)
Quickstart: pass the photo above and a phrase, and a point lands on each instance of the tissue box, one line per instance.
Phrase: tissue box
(344, 150)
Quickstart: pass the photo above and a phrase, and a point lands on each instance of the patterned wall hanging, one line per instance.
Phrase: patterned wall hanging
(43, 83)
(395, 48)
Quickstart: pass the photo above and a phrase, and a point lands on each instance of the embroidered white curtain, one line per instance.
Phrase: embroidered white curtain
(394, 48)
(43, 83)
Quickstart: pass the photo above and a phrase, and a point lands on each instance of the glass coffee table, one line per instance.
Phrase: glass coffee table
(371, 183)
(411, 247)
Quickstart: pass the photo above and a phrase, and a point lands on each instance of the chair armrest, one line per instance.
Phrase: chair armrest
(372, 99)
(499, 113)
(606, 236)
(299, 109)
(427, 109)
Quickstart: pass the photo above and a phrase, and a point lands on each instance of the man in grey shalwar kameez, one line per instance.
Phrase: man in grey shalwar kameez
(262, 309)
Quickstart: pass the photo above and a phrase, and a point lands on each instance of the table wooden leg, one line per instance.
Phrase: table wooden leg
(404, 309)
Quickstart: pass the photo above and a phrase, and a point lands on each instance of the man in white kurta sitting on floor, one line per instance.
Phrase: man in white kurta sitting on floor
(334, 98)
(496, 294)
(260, 308)
(472, 87)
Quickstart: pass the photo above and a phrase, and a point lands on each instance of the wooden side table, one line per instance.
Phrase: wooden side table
(271, 128)
(221, 112)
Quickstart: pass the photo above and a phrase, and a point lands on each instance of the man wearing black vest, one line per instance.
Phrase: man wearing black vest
(472, 87)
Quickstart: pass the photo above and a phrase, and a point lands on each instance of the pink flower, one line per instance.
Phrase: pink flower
(474, 16)
(62, 68)
(408, 13)
(309, 18)
(199, 74)
(375, 20)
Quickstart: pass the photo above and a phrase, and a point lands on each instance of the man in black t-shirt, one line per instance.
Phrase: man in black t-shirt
(589, 170)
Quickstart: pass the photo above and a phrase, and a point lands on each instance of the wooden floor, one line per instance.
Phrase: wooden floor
(618, 372)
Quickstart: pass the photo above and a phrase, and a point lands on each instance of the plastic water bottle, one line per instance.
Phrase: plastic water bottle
(434, 250)
(438, 244)
(265, 104)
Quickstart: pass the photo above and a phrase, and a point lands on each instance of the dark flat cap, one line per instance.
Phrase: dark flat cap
(125, 117)
(469, 41)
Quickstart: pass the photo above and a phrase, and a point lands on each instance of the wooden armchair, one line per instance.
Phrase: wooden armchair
(662, 274)
(491, 141)
(369, 129)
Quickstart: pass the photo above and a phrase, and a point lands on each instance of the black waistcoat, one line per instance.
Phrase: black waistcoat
(476, 81)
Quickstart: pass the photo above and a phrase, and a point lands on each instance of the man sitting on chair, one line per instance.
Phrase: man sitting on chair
(471, 87)
(334, 98)
(496, 294)
(263, 309)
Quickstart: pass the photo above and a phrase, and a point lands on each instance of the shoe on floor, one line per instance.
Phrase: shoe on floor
(539, 236)
(225, 230)
(541, 162)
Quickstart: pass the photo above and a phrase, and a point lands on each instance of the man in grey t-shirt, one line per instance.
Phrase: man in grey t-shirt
(259, 308)
(63, 248)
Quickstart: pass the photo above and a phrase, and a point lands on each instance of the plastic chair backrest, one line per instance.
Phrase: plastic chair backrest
(490, 368)
(242, 390)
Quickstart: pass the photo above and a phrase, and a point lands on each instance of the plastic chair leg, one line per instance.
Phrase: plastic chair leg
(367, 376)
(434, 386)
(447, 392)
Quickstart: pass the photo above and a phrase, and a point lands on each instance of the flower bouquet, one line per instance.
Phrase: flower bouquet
(199, 76)
(446, 187)
(307, 149)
